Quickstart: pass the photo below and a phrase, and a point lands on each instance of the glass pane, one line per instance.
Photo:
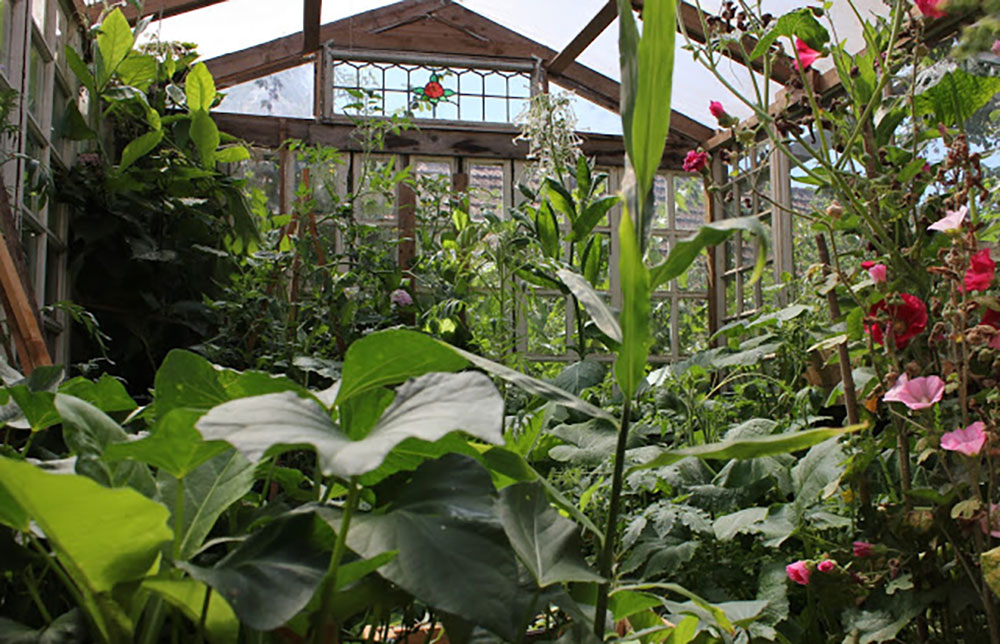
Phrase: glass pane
(38, 13)
(546, 324)
(692, 320)
(264, 175)
(696, 277)
(689, 202)
(496, 110)
(471, 108)
(375, 195)
(60, 100)
(36, 80)
(496, 85)
(485, 190)
(660, 328)
(289, 93)
(661, 188)
(63, 25)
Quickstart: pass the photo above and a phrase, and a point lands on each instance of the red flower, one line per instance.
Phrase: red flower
(931, 8)
(981, 271)
(906, 320)
(715, 107)
(863, 549)
(695, 161)
(433, 90)
(806, 54)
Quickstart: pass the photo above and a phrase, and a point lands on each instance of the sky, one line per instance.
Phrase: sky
(551, 22)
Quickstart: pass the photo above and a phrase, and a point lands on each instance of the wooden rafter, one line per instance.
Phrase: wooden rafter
(587, 35)
(311, 10)
(411, 26)
(159, 8)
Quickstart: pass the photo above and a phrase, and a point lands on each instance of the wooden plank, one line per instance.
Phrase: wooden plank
(587, 35)
(158, 8)
(432, 139)
(311, 10)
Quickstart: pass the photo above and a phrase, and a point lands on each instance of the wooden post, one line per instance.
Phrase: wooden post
(406, 213)
(846, 376)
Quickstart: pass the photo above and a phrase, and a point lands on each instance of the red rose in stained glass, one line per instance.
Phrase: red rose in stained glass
(433, 91)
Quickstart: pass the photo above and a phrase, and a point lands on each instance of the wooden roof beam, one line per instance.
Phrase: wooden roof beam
(158, 8)
(311, 10)
(587, 35)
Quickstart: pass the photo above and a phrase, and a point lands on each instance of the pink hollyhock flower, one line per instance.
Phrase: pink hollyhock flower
(806, 54)
(798, 572)
(715, 107)
(952, 220)
(919, 393)
(931, 8)
(878, 272)
(399, 297)
(863, 549)
(995, 48)
(826, 565)
(981, 271)
(992, 318)
(695, 161)
(906, 320)
(968, 441)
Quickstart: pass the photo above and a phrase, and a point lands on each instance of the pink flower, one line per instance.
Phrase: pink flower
(919, 393)
(806, 54)
(863, 549)
(715, 107)
(926, 168)
(968, 441)
(952, 220)
(826, 565)
(798, 572)
(399, 297)
(995, 48)
(695, 161)
(878, 272)
(930, 8)
(981, 271)
(992, 318)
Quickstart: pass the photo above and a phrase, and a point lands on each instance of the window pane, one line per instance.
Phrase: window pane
(38, 13)
(36, 80)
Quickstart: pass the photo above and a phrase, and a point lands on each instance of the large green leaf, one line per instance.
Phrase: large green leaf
(427, 407)
(452, 553)
(208, 491)
(272, 575)
(205, 135)
(107, 393)
(547, 543)
(114, 42)
(138, 70)
(580, 376)
(174, 445)
(822, 465)
(188, 595)
(630, 365)
(392, 356)
(800, 23)
(102, 537)
(534, 386)
(956, 96)
(592, 302)
(592, 216)
(750, 447)
(684, 252)
(139, 147)
(68, 628)
(199, 88)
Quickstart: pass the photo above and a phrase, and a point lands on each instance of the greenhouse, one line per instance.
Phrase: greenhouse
(496, 321)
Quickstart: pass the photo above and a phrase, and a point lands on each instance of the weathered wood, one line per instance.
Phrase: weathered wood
(587, 35)
(158, 8)
(311, 10)
(431, 26)
(486, 141)
(23, 318)
(406, 212)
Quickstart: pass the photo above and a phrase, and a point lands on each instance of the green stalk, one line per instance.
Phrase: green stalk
(321, 618)
(204, 614)
(178, 518)
(611, 529)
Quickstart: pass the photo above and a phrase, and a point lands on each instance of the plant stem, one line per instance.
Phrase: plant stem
(178, 518)
(204, 614)
(321, 618)
(611, 529)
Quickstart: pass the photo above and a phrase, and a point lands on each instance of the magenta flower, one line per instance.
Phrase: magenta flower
(863, 549)
(715, 107)
(919, 393)
(952, 220)
(931, 8)
(827, 565)
(695, 161)
(806, 54)
(878, 272)
(968, 441)
(981, 271)
(995, 48)
(798, 572)
(399, 297)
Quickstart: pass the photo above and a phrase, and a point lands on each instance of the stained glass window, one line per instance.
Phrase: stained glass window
(454, 91)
